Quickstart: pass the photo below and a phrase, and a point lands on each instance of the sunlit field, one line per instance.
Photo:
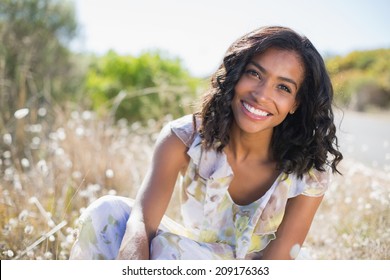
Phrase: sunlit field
(80, 157)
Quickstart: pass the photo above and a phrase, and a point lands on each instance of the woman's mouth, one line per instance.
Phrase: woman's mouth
(254, 112)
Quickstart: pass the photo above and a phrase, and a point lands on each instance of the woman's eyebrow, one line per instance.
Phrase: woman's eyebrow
(263, 70)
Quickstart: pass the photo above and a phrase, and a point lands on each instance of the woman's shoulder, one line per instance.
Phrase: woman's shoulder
(185, 128)
(312, 183)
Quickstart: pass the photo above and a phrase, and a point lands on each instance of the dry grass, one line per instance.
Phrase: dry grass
(82, 157)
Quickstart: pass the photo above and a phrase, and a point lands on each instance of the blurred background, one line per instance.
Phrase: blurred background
(85, 87)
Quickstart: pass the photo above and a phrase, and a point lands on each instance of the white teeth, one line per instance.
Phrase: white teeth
(254, 110)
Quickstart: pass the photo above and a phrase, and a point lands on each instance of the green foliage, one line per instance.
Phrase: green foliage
(140, 88)
(361, 79)
(36, 67)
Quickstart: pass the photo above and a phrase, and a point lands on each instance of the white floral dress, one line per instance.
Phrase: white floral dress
(214, 227)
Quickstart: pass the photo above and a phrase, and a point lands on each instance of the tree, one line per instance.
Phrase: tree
(34, 59)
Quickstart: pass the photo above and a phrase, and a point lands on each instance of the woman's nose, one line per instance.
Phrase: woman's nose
(262, 92)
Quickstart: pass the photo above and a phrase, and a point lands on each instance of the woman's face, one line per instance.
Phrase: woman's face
(267, 90)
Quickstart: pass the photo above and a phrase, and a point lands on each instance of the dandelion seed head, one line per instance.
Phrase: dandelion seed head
(76, 175)
(25, 163)
(42, 112)
(70, 239)
(48, 255)
(32, 200)
(63, 256)
(348, 200)
(112, 192)
(7, 139)
(52, 238)
(75, 233)
(94, 187)
(13, 222)
(7, 229)
(9, 174)
(21, 113)
(29, 229)
(23, 216)
(61, 134)
(7, 154)
(43, 168)
(136, 126)
(294, 252)
(59, 152)
(122, 123)
(36, 141)
(35, 128)
(75, 115)
(17, 184)
(86, 115)
(30, 254)
(109, 173)
(9, 253)
(80, 131)
(368, 206)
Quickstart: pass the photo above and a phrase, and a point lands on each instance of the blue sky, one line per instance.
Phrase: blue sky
(200, 31)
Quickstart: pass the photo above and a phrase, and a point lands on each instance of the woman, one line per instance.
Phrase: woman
(253, 162)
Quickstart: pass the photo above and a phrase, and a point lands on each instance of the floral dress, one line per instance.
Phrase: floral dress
(214, 226)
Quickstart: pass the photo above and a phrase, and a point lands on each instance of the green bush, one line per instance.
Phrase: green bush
(141, 88)
(361, 79)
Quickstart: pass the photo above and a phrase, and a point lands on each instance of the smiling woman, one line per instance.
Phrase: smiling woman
(253, 163)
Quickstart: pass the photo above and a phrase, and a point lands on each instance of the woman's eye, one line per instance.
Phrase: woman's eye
(285, 88)
(253, 73)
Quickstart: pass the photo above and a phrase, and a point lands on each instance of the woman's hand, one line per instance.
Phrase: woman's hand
(135, 242)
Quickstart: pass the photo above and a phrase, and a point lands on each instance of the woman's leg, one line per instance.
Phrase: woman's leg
(103, 225)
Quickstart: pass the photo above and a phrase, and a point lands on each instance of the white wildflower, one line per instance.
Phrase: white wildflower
(48, 256)
(9, 253)
(29, 229)
(7, 154)
(42, 112)
(7, 139)
(112, 192)
(23, 216)
(294, 252)
(86, 115)
(109, 173)
(42, 167)
(21, 113)
(25, 163)
(61, 134)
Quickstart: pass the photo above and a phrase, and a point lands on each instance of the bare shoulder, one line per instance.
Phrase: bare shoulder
(170, 150)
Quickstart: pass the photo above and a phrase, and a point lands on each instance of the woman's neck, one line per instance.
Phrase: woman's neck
(250, 146)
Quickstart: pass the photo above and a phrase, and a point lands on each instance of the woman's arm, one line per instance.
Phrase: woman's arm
(152, 200)
(296, 223)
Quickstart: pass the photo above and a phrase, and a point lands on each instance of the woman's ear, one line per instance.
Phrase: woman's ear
(294, 108)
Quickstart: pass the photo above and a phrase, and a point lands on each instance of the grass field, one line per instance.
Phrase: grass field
(79, 158)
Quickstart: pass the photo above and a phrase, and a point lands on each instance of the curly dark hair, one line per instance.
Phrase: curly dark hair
(305, 139)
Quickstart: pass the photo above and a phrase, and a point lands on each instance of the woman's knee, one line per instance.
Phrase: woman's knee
(102, 226)
(116, 207)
